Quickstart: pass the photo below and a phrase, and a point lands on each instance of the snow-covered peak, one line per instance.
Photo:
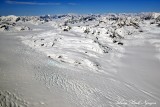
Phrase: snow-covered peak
(10, 18)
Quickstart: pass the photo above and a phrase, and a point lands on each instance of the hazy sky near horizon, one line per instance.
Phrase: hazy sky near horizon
(41, 7)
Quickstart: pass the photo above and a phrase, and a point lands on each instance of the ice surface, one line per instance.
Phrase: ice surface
(109, 60)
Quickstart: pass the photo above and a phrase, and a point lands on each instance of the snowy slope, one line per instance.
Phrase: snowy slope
(109, 60)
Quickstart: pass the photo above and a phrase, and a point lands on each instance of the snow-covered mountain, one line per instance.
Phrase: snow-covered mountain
(79, 39)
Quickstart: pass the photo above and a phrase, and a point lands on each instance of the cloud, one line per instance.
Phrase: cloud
(30, 3)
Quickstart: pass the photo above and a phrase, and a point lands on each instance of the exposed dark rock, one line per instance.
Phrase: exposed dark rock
(135, 25)
(114, 41)
(140, 30)
(152, 23)
(59, 56)
(18, 19)
(112, 36)
(120, 43)
(158, 19)
(86, 31)
(105, 51)
(65, 30)
(53, 44)
(5, 27)
(13, 24)
(62, 61)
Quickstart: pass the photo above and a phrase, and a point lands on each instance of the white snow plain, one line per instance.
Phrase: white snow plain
(109, 60)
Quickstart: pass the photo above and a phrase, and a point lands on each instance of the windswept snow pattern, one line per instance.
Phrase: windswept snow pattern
(86, 57)
(8, 99)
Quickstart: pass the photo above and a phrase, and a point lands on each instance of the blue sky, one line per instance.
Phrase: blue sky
(41, 7)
